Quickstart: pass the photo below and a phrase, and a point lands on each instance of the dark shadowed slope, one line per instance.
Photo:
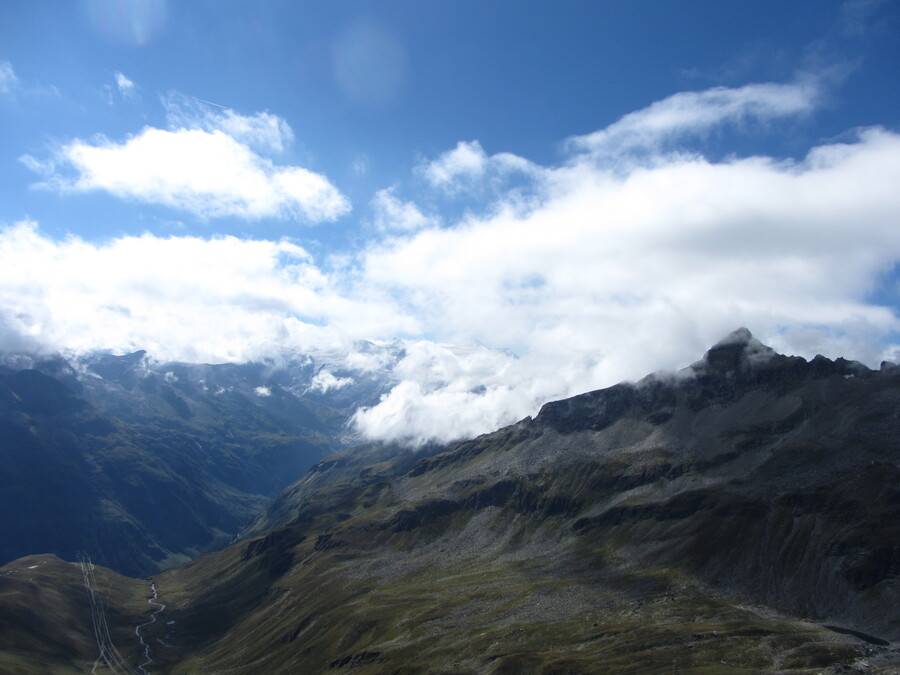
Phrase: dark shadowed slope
(145, 465)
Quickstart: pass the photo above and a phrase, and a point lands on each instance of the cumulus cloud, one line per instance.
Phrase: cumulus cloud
(8, 79)
(617, 270)
(749, 232)
(467, 163)
(615, 275)
(466, 159)
(446, 392)
(205, 163)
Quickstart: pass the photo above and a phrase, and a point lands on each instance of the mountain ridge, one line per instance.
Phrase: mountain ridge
(759, 489)
(742, 515)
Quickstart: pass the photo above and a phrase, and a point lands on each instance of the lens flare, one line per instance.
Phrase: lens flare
(370, 65)
(131, 22)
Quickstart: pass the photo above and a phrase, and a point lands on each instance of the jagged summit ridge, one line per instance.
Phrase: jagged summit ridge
(734, 365)
(741, 353)
(740, 335)
(738, 350)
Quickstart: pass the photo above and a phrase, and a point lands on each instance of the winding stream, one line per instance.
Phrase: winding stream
(137, 629)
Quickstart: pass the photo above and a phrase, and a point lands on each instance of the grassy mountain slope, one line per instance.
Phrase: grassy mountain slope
(46, 624)
(740, 517)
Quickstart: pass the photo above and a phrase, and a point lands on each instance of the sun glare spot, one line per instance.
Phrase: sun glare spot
(370, 65)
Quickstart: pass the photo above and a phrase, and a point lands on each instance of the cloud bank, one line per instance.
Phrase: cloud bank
(628, 257)
(181, 298)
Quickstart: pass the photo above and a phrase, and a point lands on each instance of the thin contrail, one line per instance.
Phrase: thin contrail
(202, 100)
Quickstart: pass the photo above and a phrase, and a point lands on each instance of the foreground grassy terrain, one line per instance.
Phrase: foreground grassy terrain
(45, 620)
(503, 616)
(361, 597)
(371, 610)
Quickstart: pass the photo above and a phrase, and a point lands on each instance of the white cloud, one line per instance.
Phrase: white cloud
(617, 275)
(263, 392)
(447, 392)
(204, 164)
(126, 87)
(206, 173)
(467, 163)
(324, 381)
(614, 273)
(8, 79)
(466, 159)
(263, 131)
(383, 357)
(181, 298)
(698, 112)
(392, 213)
(11, 85)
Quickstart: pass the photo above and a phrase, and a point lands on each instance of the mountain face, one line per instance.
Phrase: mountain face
(145, 465)
(740, 516)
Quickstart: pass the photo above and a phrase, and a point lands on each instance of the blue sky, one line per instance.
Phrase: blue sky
(602, 187)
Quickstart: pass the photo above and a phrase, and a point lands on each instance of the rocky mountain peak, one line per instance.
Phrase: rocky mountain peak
(738, 351)
(733, 366)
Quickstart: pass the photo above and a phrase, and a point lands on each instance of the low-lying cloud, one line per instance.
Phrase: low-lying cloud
(612, 270)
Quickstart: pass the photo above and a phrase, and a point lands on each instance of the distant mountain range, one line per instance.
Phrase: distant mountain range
(742, 515)
(143, 465)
